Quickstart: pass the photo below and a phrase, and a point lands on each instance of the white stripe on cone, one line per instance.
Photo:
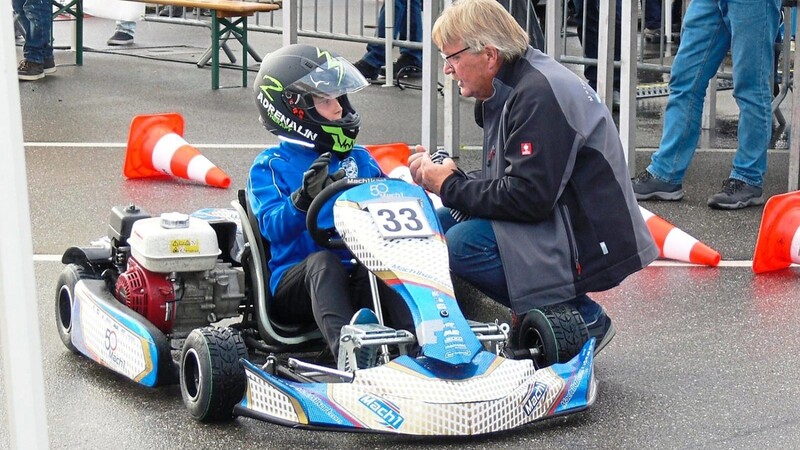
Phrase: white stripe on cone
(795, 249)
(678, 245)
(199, 167)
(164, 149)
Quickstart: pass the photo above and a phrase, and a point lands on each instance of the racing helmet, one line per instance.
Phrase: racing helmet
(286, 83)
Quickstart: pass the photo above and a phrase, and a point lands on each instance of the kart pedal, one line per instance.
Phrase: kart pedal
(493, 336)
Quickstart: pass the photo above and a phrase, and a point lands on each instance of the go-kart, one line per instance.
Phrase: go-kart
(181, 298)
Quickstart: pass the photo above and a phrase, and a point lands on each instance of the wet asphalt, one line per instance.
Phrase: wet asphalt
(703, 357)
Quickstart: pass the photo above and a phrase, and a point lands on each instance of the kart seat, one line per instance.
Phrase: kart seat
(255, 259)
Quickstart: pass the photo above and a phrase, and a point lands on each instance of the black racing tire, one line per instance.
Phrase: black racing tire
(65, 298)
(212, 377)
(552, 334)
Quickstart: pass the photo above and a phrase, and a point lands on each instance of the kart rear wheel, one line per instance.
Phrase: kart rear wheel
(212, 377)
(552, 334)
(65, 298)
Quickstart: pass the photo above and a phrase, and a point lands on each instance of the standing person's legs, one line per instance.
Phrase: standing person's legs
(413, 20)
(123, 33)
(753, 26)
(704, 43)
(652, 14)
(37, 19)
(592, 19)
(376, 53)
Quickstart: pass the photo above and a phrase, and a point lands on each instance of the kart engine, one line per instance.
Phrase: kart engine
(173, 277)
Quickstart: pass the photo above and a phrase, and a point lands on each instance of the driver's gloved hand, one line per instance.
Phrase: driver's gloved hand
(314, 181)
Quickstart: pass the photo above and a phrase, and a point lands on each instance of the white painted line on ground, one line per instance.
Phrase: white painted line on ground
(46, 258)
(652, 149)
(659, 263)
(267, 144)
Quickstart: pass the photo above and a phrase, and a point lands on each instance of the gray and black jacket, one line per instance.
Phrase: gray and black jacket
(555, 184)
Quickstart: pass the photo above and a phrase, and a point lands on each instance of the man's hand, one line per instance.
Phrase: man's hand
(428, 174)
(314, 181)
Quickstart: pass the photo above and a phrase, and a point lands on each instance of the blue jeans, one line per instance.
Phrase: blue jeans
(127, 27)
(36, 17)
(652, 14)
(710, 28)
(376, 53)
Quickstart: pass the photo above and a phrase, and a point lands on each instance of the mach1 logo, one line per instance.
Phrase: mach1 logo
(388, 413)
(535, 396)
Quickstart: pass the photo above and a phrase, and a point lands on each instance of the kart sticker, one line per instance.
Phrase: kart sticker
(111, 343)
(400, 219)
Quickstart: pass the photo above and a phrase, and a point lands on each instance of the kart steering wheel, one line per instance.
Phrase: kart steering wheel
(325, 236)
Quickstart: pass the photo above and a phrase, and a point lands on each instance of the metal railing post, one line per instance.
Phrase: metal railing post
(605, 51)
(628, 83)
(452, 119)
(289, 27)
(430, 77)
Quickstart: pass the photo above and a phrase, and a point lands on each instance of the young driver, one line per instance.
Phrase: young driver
(301, 95)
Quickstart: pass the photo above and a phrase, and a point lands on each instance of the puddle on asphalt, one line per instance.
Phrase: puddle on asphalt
(650, 122)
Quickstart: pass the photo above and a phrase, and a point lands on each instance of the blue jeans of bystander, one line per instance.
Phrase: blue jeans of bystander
(126, 26)
(710, 28)
(36, 17)
(407, 26)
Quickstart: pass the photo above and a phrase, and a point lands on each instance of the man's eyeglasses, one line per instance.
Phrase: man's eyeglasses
(446, 58)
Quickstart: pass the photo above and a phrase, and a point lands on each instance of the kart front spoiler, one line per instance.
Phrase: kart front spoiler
(419, 397)
(117, 337)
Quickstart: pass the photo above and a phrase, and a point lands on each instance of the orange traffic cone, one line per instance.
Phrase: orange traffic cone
(778, 243)
(393, 159)
(156, 147)
(675, 243)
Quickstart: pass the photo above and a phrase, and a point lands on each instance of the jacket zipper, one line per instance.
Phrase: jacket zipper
(571, 238)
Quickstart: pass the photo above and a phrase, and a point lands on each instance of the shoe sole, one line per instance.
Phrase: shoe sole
(50, 71)
(738, 205)
(30, 77)
(120, 43)
(606, 339)
(666, 196)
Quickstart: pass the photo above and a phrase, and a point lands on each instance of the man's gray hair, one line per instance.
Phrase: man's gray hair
(478, 23)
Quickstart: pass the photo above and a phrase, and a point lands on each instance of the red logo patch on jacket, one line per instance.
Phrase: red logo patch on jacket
(526, 148)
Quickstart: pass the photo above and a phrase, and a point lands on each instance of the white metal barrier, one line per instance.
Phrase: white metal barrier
(352, 20)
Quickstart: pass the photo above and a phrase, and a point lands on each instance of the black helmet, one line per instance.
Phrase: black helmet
(284, 87)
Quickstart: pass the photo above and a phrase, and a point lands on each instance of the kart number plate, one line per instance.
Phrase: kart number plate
(400, 219)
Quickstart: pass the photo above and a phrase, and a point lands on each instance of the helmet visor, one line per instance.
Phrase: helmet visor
(334, 78)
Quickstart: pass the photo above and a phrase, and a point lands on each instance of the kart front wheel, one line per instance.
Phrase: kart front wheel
(212, 377)
(65, 298)
(550, 335)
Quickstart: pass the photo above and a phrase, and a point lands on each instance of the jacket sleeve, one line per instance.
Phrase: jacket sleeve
(538, 156)
(270, 199)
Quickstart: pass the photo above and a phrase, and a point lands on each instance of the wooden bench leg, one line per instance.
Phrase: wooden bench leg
(221, 28)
